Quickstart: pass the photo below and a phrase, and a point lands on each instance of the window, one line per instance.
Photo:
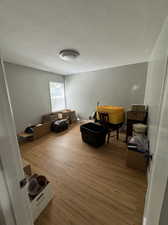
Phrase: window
(57, 96)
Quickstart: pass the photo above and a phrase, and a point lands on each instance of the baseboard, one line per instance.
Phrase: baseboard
(144, 221)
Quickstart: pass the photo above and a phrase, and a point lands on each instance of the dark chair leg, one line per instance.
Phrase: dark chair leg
(108, 138)
(117, 133)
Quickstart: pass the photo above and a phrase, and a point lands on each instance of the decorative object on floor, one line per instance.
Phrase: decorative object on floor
(93, 134)
(59, 125)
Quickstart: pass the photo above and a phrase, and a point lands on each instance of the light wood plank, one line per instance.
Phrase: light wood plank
(92, 186)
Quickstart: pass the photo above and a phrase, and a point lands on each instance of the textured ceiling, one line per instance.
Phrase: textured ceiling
(107, 33)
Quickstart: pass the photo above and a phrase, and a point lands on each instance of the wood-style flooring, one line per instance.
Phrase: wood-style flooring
(91, 186)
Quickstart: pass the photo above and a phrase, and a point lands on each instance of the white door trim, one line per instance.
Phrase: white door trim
(159, 176)
(10, 157)
(6, 213)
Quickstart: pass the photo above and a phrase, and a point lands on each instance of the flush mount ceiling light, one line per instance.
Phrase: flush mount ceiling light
(68, 54)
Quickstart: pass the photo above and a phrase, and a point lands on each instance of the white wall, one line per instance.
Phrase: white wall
(155, 82)
(123, 86)
(29, 92)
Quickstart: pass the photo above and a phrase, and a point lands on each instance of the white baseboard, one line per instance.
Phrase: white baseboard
(144, 221)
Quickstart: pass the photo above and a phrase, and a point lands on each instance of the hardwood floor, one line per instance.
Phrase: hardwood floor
(91, 186)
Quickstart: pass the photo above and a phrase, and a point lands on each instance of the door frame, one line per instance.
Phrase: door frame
(158, 177)
(11, 166)
(6, 214)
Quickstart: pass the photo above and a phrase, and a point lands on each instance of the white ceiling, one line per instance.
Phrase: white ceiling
(107, 33)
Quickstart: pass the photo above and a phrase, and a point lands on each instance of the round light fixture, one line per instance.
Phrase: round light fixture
(68, 54)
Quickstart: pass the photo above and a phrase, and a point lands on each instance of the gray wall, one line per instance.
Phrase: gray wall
(122, 86)
(29, 92)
